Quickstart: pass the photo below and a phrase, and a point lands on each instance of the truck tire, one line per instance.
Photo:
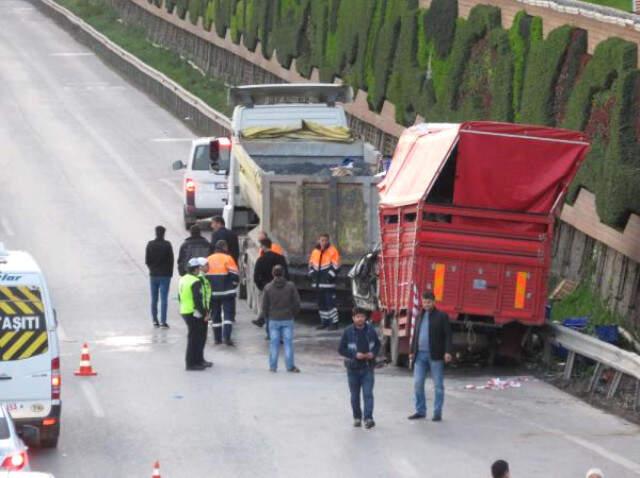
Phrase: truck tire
(188, 221)
(49, 440)
(394, 343)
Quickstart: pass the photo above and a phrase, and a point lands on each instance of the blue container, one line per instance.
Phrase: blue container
(607, 333)
(576, 323)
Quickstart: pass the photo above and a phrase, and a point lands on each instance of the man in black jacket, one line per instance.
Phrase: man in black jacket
(360, 346)
(431, 349)
(159, 261)
(193, 246)
(221, 233)
(263, 273)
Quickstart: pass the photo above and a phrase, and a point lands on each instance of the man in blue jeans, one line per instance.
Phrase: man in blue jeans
(431, 349)
(360, 346)
(280, 305)
(159, 261)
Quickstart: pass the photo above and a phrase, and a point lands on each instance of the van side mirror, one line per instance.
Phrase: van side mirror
(177, 165)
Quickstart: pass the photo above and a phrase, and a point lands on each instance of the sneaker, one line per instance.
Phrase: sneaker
(437, 418)
(322, 326)
(207, 364)
(416, 416)
(294, 370)
(273, 370)
(217, 342)
(156, 324)
(357, 423)
(229, 343)
(369, 423)
(196, 368)
(258, 322)
(164, 325)
(333, 327)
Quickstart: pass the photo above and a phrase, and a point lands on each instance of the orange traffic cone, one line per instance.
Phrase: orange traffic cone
(156, 470)
(85, 369)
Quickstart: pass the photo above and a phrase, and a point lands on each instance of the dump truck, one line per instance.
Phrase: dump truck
(467, 211)
(296, 172)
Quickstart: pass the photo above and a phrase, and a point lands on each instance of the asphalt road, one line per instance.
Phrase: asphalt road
(84, 178)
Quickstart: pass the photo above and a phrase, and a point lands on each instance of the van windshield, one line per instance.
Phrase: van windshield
(23, 326)
(201, 160)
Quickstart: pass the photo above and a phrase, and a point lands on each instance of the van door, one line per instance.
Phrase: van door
(25, 358)
(211, 186)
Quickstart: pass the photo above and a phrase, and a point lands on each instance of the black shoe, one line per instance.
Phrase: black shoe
(156, 324)
(196, 367)
(294, 370)
(217, 342)
(357, 422)
(322, 326)
(369, 423)
(229, 343)
(273, 370)
(437, 418)
(267, 338)
(416, 416)
(333, 327)
(207, 364)
(164, 325)
(258, 322)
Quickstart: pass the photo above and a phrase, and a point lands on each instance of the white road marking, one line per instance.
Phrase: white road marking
(589, 445)
(72, 53)
(92, 397)
(404, 467)
(171, 140)
(7, 227)
(172, 186)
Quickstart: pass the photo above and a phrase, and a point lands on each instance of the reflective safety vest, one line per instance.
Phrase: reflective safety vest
(222, 274)
(185, 294)
(324, 266)
(206, 291)
(277, 248)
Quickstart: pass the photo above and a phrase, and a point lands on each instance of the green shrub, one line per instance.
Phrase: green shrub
(519, 36)
(440, 25)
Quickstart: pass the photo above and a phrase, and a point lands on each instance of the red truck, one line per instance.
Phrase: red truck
(467, 211)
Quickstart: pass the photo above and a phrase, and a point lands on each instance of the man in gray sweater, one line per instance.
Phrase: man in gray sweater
(280, 305)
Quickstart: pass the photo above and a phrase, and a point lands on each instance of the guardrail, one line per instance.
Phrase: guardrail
(199, 116)
(605, 355)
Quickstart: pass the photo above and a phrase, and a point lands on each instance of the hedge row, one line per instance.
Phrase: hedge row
(445, 68)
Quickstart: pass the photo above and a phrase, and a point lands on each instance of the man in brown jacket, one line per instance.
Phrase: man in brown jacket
(280, 305)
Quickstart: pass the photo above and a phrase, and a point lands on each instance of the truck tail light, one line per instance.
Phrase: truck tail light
(56, 378)
(189, 185)
(15, 462)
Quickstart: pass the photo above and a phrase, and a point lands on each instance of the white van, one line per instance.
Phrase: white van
(205, 187)
(29, 350)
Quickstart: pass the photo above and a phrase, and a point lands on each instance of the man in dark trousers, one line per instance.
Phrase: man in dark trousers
(431, 349)
(221, 233)
(360, 346)
(263, 273)
(193, 246)
(223, 277)
(280, 306)
(194, 295)
(324, 264)
(159, 261)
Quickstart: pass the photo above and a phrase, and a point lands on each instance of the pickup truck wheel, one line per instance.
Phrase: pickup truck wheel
(394, 342)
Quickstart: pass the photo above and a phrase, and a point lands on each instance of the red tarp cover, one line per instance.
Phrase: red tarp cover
(500, 166)
(514, 167)
(421, 152)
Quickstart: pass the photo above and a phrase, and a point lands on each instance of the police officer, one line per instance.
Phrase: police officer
(195, 295)
(223, 277)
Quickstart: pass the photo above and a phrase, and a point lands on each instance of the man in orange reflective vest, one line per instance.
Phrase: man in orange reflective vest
(224, 278)
(275, 247)
(324, 264)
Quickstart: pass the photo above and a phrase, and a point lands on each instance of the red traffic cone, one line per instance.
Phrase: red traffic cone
(85, 369)
(156, 470)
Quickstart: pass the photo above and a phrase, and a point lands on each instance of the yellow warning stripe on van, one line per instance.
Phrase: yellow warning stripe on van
(22, 344)
(20, 301)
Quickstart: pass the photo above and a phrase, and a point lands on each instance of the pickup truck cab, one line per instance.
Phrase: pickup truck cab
(204, 183)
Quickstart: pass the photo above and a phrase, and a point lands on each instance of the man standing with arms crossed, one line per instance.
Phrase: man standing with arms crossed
(431, 349)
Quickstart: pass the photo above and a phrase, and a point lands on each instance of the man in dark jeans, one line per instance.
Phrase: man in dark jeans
(193, 246)
(159, 261)
(360, 346)
(263, 273)
(431, 349)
